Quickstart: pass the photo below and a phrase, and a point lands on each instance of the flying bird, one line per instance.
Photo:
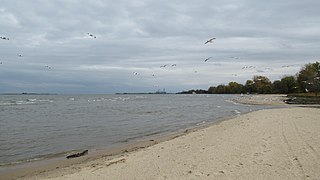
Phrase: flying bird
(173, 65)
(286, 66)
(91, 35)
(4, 38)
(233, 57)
(164, 66)
(207, 59)
(48, 67)
(210, 40)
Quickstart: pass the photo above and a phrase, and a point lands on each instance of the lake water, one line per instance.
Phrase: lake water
(34, 127)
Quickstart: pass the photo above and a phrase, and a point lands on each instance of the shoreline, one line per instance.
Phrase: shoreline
(63, 166)
(29, 169)
(265, 144)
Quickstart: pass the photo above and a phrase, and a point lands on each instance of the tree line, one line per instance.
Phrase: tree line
(305, 81)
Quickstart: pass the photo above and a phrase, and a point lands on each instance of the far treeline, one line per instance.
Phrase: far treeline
(307, 80)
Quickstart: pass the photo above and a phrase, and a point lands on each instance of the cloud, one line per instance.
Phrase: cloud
(140, 36)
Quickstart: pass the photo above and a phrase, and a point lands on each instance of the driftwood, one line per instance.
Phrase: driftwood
(85, 152)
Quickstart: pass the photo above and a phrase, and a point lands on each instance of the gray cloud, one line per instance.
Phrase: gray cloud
(140, 36)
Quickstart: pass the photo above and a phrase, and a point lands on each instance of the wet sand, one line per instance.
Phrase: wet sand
(267, 144)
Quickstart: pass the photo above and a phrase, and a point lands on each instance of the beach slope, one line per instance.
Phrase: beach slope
(267, 144)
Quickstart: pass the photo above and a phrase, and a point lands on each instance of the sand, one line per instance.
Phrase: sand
(267, 144)
(264, 99)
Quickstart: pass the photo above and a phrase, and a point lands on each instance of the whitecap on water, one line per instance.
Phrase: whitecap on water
(200, 123)
(237, 112)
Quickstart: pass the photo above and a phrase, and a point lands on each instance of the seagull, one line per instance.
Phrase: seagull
(234, 57)
(20, 55)
(0, 62)
(307, 90)
(153, 75)
(173, 65)
(317, 78)
(195, 71)
(48, 67)
(135, 73)
(210, 40)
(207, 59)
(91, 35)
(4, 38)
(163, 66)
(286, 66)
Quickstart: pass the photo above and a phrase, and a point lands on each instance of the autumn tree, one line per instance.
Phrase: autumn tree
(262, 84)
(249, 87)
(235, 88)
(309, 78)
(289, 84)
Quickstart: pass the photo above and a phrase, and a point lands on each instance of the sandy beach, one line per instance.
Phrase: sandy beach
(267, 144)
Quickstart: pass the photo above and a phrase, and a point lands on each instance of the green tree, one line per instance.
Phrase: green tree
(221, 89)
(309, 78)
(289, 84)
(262, 84)
(235, 88)
(212, 90)
(277, 87)
(249, 87)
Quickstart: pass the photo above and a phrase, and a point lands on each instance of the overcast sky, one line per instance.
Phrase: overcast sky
(275, 37)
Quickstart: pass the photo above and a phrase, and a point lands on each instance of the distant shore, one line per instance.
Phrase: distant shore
(266, 144)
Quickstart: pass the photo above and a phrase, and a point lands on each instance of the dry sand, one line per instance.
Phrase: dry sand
(267, 144)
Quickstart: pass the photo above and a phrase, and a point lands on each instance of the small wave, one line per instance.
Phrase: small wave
(21, 161)
(237, 111)
(230, 101)
(45, 100)
(7, 103)
(38, 158)
(24, 102)
(201, 123)
(141, 136)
